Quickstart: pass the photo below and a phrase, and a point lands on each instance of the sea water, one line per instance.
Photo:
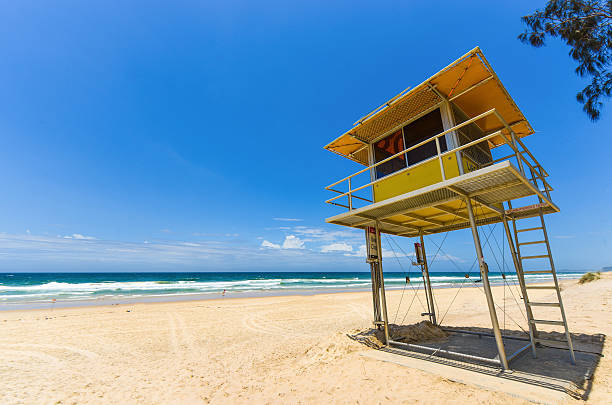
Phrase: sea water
(40, 289)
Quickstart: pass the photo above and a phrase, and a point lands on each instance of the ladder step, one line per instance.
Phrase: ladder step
(534, 257)
(528, 229)
(541, 287)
(544, 304)
(537, 271)
(544, 322)
(532, 243)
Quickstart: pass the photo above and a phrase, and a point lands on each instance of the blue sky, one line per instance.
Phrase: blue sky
(188, 135)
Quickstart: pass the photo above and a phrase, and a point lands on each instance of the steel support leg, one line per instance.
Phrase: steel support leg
(484, 270)
(428, 290)
(375, 297)
(383, 298)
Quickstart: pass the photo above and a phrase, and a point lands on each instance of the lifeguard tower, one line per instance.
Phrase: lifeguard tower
(430, 168)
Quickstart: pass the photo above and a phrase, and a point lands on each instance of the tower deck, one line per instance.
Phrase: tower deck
(440, 207)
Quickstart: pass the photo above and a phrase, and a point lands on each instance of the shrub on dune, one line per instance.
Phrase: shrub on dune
(588, 277)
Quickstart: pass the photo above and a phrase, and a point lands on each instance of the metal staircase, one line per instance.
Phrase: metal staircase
(529, 304)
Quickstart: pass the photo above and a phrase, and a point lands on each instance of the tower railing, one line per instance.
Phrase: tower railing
(520, 154)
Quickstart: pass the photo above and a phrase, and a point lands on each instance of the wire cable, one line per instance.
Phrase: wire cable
(402, 268)
(404, 253)
(407, 284)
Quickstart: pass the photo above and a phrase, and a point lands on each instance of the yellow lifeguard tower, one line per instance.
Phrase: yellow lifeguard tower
(429, 168)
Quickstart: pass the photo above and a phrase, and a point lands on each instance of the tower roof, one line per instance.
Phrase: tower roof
(469, 82)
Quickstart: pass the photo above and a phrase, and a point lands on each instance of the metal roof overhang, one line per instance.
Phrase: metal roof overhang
(469, 82)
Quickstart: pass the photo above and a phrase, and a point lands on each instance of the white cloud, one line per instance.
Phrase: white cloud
(448, 257)
(387, 254)
(83, 237)
(361, 252)
(304, 230)
(52, 251)
(288, 219)
(76, 236)
(290, 242)
(354, 236)
(270, 245)
(337, 247)
(293, 242)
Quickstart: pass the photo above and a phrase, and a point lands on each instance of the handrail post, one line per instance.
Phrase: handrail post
(440, 159)
(546, 188)
(350, 195)
(513, 138)
(518, 154)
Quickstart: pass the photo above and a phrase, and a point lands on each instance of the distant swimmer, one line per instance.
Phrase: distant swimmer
(223, 293)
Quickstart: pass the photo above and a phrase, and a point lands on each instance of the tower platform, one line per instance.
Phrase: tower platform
(441, 207)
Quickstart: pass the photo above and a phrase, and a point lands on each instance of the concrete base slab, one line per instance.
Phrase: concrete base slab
(514, 383)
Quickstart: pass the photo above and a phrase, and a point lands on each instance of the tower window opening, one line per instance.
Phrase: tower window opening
(388, 147)
(420, 130)
(479, 153)
(415, 132)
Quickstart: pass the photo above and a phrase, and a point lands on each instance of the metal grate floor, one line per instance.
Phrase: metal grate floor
(441, 207)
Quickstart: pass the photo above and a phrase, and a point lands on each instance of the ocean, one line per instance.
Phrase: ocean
(36, 290)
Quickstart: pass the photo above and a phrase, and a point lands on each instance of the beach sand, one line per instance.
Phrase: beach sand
(289, 349)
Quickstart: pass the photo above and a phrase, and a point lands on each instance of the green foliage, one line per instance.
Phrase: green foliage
(588, 277)
(586, 26)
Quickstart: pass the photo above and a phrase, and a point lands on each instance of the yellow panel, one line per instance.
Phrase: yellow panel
(428, 212)
(446, 218)
(464, 74)
(483, 98)
(398, 218)
(419, 177)
(348, 146)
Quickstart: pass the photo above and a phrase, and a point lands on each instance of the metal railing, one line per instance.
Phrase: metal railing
(523, 157)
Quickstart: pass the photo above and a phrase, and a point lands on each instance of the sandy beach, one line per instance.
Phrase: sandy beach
(288, 349)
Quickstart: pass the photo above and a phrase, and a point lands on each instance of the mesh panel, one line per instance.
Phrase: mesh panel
(492, 179)
(362, 156)
(508, 193)
(396, 115)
